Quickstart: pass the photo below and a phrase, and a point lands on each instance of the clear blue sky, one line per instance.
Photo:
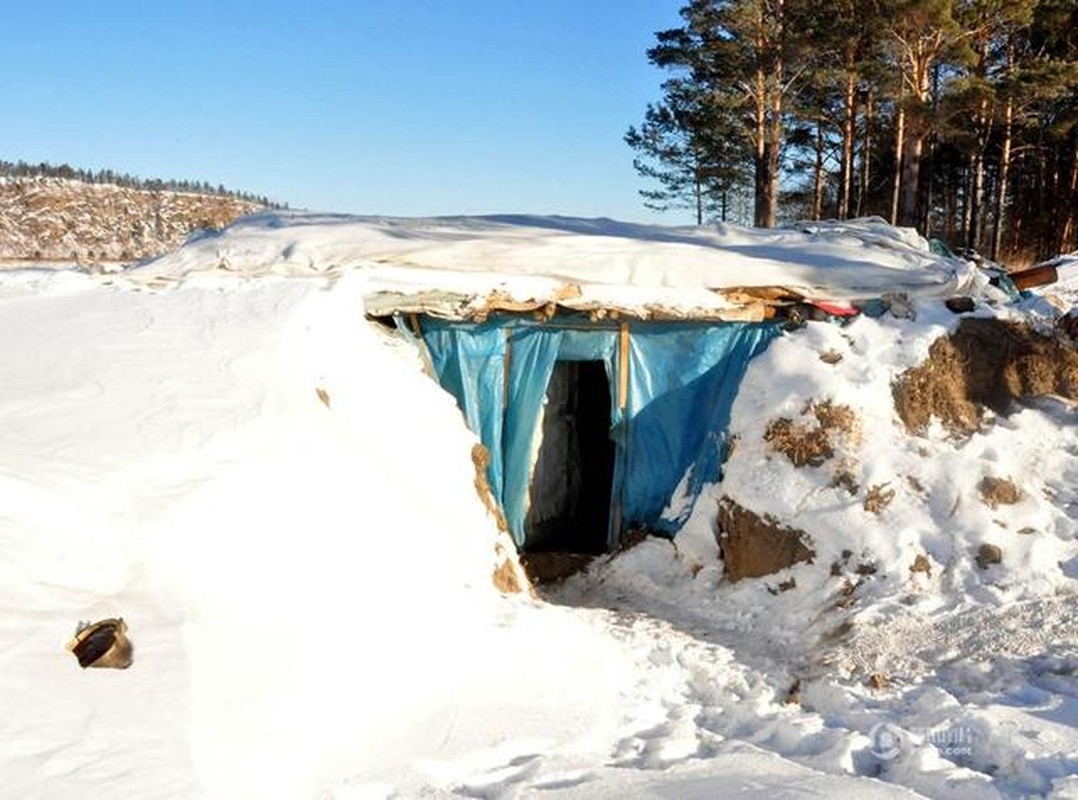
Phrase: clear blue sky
(372, 106)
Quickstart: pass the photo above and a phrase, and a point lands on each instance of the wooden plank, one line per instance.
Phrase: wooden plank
(623, 366)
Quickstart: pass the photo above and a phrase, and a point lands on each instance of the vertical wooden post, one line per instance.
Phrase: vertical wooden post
(623, 403)
(623, 366)
(506, 362)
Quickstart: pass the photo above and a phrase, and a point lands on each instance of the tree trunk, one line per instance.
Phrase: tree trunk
(698, 194)
(774, 153)
(767, 187)
(1002, 179)
(912, 150)
(866, 156)
(982, 127)
(1066, 228)
(769, 103)
(760, 157)
(950, 201)
(900, 147)
(1040, 181)
(924, 197)
(767, 162)
(976, 195)
(849, 121)
(817, 173)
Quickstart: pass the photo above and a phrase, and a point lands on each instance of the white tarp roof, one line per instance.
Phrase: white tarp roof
(459, 262)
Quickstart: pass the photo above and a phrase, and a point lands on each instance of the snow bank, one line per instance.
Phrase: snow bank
(930, 486)
(901, 654)
(281, 506)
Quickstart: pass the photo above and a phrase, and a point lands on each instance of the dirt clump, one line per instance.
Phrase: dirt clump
(509, 576)
(505, 578)
(989, 554)
(753, 545)
(878, 681)
(544, 568)
(834, 417)
(481, 460)
(921, 564)
(793, 694)
(996, 492)
(801, 444)
(985, 363)
(847, 594)
(785, 586)
(878, 498)
(811, 440)
(845, 479)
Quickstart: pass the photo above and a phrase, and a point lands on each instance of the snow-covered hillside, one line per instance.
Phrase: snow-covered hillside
(56, 220)
(281, 506)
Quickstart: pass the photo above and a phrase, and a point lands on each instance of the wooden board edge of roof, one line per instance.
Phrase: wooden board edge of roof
(464, 308)
(772, 295)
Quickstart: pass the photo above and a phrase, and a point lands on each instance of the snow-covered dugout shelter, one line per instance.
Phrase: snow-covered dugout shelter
(597, 361)
(595, 427)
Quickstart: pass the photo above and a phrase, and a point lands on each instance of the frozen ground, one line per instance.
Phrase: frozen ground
(281, 506)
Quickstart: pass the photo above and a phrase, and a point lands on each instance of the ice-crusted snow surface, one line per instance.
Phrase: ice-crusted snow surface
(281, 506)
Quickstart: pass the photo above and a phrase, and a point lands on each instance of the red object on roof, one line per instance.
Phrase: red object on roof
(834, 309)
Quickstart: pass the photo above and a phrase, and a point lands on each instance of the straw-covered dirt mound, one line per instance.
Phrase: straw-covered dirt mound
(812, 439)
(985, 363)
(753, 545)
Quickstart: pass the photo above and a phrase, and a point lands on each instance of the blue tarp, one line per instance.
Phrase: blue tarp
(670, 434)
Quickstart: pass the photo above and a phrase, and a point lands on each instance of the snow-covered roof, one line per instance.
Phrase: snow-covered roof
(464, 267)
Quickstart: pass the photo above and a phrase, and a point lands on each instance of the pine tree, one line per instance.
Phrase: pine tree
(739, 54)
(689, 144)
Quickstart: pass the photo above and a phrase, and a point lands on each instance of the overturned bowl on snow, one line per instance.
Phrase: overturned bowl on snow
(102, 644)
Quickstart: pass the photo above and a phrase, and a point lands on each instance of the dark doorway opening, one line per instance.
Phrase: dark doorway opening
(574, 471)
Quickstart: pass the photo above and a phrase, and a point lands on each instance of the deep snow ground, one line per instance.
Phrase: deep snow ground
(312, 611)
(281, 506)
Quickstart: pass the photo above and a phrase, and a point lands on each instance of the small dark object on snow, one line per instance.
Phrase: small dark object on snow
(960, 305)
(922, 564)
(878, 681)
(102, 644)
(988, 555)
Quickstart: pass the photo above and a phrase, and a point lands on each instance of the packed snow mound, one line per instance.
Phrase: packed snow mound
(928, 597)
(835, 511)
(530, 255)
(281, 506)
(984, 510)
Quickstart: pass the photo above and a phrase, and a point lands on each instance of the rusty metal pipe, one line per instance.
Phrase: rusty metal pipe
(1034, 276)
